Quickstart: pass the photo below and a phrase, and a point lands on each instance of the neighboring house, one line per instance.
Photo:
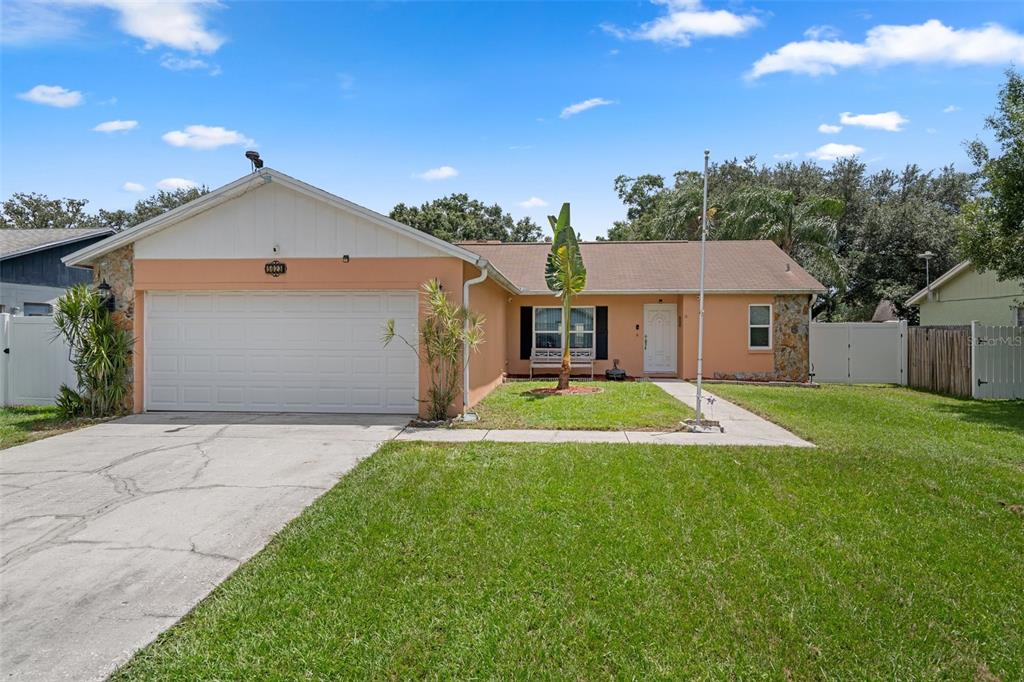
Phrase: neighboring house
(269, 294)
(963, 295)
(32, 275)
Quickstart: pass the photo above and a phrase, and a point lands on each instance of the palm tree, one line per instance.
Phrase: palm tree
(566, 276)
(805, 229)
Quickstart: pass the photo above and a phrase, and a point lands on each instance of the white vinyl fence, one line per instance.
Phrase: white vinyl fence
(33, 364)
(997, 362)
(859, 352)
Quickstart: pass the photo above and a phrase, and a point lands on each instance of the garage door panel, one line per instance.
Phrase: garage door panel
(270, 351)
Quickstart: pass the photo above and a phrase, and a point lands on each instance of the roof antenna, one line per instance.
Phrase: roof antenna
(254, 157)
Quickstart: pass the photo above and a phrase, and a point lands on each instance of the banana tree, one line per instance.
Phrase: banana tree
(566, 276)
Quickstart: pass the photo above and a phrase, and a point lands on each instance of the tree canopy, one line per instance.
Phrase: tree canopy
(38, 211)
(859, 234)
(457, 218)
(992, 233)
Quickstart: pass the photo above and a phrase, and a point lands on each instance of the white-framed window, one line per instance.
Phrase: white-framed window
(759, 326)
(547, 328)
(37, 309)
(1018, 316)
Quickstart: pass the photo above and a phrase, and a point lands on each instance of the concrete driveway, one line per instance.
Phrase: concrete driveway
(110, 534)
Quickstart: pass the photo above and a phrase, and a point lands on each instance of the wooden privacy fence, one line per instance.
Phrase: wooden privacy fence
(939, 359)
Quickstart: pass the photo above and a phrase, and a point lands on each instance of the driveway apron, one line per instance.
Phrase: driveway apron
(110, 534)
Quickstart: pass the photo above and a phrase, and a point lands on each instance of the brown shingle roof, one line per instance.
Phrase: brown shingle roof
(740, 266)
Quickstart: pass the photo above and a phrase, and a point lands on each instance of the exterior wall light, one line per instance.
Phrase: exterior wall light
(106, 295)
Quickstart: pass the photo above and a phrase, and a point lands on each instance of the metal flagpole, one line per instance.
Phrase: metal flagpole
(700, 313)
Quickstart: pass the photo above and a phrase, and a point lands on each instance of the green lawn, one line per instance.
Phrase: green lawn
(883, 554)
(32, 422)
(635, 405)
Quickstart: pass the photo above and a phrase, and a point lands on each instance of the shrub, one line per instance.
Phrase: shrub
(444, 330)
(100, 353)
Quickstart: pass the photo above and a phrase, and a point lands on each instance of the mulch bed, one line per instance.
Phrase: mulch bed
(572, 390)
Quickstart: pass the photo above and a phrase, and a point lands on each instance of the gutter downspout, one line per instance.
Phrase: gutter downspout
(482, 264)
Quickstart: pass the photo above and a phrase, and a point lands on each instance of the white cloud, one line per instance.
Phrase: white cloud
(171, 184)
(931, 131)
(346, 82)
(578, 107)
(28, 22)
(685, 20)
(533, 202)
(929, 43)
(829, 129)
(439, 173)
(823, 32)
(179, 24)
(53, 96)
(116, 125)
(136, 187)
(785, 156)
(205, 137)
(833, 151)
(951, 109)
(892, 121)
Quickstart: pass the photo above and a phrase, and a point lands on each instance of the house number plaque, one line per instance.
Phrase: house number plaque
(275, 268)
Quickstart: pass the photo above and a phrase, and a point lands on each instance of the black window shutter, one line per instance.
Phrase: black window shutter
(602, 332)
(525, 331)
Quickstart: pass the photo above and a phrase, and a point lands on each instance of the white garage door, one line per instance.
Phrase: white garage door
(279, 351)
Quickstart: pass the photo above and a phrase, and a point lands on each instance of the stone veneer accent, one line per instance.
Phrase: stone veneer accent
(118, 269)
(790, 343)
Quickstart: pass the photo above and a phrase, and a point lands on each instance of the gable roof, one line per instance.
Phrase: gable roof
(17, 242)
(659, 267)
(253, 182)
(920, 296)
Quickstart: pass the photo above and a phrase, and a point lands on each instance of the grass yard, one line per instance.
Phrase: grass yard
(635, 405)
(31, 422)
(883, 554)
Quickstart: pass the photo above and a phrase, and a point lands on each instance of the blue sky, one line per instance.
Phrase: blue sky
(389, 102)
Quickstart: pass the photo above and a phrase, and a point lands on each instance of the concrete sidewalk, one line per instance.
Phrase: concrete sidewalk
(742, 427)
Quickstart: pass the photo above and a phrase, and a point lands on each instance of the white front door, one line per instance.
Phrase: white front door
(660, 337)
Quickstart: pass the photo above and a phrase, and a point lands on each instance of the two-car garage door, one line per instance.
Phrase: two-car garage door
(279, 351)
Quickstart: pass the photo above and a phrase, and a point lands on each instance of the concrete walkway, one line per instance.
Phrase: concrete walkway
(742, 427)
(110, 534)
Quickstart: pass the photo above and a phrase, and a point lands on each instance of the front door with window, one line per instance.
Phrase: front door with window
(660, 338)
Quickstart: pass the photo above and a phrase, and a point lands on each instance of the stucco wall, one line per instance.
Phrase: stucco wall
(487, 363)
(726, 352)
(973, 296)
(625, 329)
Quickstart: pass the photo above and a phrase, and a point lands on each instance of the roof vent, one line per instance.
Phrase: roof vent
(787, 267)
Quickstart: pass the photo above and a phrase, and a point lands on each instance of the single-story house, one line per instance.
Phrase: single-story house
(32, 275)
(269, 294)
(962, 295)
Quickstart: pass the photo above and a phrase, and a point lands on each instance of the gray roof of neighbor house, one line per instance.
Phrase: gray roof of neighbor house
(666, 267)
(14, 242)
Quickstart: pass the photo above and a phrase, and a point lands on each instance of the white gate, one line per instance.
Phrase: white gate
(859, 352)
(997, 361)
(33, 364)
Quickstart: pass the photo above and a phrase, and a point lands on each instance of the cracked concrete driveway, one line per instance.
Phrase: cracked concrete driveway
(110, 534)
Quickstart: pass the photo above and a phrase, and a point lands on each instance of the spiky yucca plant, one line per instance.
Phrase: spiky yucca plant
(443, 331)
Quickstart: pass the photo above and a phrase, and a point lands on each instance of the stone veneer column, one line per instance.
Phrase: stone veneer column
(791, 338)
(117, 268)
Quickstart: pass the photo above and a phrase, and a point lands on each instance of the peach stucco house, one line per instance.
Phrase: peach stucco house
(269, 294)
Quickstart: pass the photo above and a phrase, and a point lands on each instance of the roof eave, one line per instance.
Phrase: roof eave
(638, 292)
(241, 186)
(50, 245)
(919, 297)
